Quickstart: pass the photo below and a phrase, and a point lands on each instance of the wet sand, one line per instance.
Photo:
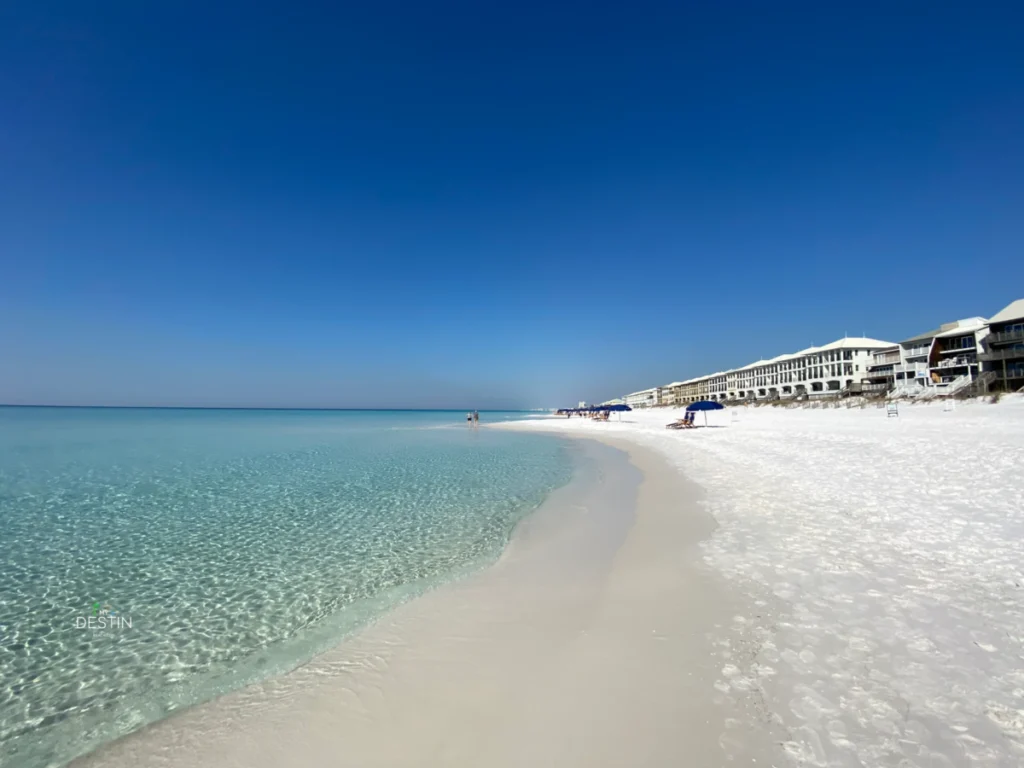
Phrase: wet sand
(587, 644)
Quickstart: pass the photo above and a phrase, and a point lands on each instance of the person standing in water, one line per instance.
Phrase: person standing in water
(476, 418)
(469, 418)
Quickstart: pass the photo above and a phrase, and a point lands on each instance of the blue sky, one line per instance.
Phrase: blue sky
(385, 204)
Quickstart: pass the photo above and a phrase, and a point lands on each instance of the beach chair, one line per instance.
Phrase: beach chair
(684, 423)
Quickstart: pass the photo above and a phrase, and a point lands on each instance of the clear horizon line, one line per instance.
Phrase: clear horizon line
(249, 408)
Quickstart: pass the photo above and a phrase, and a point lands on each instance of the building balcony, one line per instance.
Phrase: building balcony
(957, 362)
(886, 359)
(917, 352)
(911, 368)
(1001, 354)
(1005, 337)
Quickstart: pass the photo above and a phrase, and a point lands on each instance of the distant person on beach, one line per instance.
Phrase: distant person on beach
(469, 418)
(476, 417)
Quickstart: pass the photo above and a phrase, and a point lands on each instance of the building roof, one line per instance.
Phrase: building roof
(850, 342)
(922, 336)
(750, 365)
(961, 327)
(643, 392)
(1015, 311)
(856, 342)
(949, 329)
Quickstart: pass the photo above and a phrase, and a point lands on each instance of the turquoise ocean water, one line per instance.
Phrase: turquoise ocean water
(236, 543)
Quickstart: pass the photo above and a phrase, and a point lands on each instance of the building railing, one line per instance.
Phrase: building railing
(886, 359)
(907, 390)
(910, 368)
(945, 389)
(981, 384)
(1005, 337)
(1001, 354)
(955, 362)
(949, 387)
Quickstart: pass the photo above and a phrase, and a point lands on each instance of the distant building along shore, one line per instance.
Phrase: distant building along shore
(973, 356)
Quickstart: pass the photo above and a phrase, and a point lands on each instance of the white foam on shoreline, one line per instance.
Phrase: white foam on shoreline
(893, 552)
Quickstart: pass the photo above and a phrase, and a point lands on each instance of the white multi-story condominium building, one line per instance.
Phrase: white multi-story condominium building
(718, 386)
(911, 373)
(941, 361)
(644, 399)
(838, 367)
(1003, 356)
(881, 376)
(829, 369)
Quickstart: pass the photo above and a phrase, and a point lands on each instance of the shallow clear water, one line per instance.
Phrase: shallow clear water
(236, 543)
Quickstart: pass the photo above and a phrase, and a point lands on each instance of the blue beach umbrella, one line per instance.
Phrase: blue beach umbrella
(619, 408)
(705, 405)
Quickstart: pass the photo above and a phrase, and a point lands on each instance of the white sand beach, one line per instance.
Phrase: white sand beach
(594, 641)
(885, 557)
(826, 587)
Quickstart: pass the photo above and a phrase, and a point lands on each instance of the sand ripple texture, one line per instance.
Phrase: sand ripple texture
(885, 560)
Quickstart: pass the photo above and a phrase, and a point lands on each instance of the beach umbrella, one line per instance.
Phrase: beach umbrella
(619, 408)
(705, 405)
